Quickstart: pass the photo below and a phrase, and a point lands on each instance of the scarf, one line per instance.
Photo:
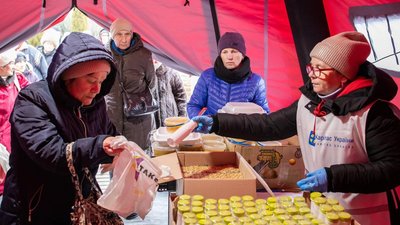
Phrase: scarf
(235, 75)
(8, 80)
(118, 50)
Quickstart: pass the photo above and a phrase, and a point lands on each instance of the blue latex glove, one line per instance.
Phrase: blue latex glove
(204, 124)
(314, 181)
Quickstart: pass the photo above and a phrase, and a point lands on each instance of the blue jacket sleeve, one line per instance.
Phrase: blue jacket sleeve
(198, 100)
(260, 97)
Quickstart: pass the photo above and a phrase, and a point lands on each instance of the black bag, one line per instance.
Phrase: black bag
(138, 104)
(87, 211)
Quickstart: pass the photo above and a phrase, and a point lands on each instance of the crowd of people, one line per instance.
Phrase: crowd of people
(55, 97)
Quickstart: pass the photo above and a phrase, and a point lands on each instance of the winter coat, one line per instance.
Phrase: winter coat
(136, 69)
(45, 119)
(48, 56)
(30, 74)
(382, 132)
(214, 93)
(172, 93)
(36, 59)
(8, 94)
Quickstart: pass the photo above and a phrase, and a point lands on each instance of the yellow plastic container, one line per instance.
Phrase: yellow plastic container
(223, 201)
(190, 221)
(198, 198)
(212, 137)
(214, 146)
(216, 219)
(173, 123)
(185, 197)
(247, 198)
(159, 150)
(344, 218)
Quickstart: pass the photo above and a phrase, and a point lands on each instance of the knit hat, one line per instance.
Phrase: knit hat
(52, 36)
(118, 25)
(344, 52)
(232, 40)
(85, 68)
(7, 57)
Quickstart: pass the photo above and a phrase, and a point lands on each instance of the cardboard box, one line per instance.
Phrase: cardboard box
(172, 210)
(209, 188)
(281, 164)
(172, 203)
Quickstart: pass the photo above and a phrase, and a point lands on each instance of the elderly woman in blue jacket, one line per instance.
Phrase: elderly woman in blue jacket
(231, 80)
(48, 115)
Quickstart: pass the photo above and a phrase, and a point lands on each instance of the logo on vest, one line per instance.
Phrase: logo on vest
(329, 141)
(311, 138)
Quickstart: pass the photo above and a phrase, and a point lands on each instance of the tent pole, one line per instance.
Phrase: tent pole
(309, 26)
(215, 20)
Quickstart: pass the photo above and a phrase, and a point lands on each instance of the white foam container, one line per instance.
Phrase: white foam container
(161, 136)
(241, 107)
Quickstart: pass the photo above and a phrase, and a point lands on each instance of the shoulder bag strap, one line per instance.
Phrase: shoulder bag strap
(71, 168)
(95, 188)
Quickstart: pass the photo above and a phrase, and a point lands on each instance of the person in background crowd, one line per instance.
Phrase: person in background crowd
(348, 130)
(104, 36)
(35, 58)
(24, 67)
(136, 73)
(48, 115)
(10, 84)
(230, 80)
(171, 91)
(49, 43)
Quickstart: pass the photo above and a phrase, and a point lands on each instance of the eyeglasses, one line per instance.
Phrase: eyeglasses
(316, 71)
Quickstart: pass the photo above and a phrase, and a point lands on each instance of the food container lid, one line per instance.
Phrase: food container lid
(161, 135)
(175, 121)
(241, 107)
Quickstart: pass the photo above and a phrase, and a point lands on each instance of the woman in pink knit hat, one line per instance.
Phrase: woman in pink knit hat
(347, 128)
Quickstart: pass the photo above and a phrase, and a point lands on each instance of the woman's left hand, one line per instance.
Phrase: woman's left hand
(114, 145)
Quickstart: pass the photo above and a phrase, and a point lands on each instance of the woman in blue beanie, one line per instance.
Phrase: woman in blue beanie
(230, 80)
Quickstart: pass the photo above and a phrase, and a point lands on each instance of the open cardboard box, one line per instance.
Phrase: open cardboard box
(279, 163)
(209, 188)
(172, 204)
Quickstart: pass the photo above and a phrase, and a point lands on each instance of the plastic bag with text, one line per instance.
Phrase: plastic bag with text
(133, 186)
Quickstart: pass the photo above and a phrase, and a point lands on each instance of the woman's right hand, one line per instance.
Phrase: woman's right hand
(204, 124)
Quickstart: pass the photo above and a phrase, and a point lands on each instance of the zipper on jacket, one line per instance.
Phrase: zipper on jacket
(30, 208)
(79, 115)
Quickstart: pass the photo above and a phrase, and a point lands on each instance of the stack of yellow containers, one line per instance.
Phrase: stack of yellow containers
(245, 210)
